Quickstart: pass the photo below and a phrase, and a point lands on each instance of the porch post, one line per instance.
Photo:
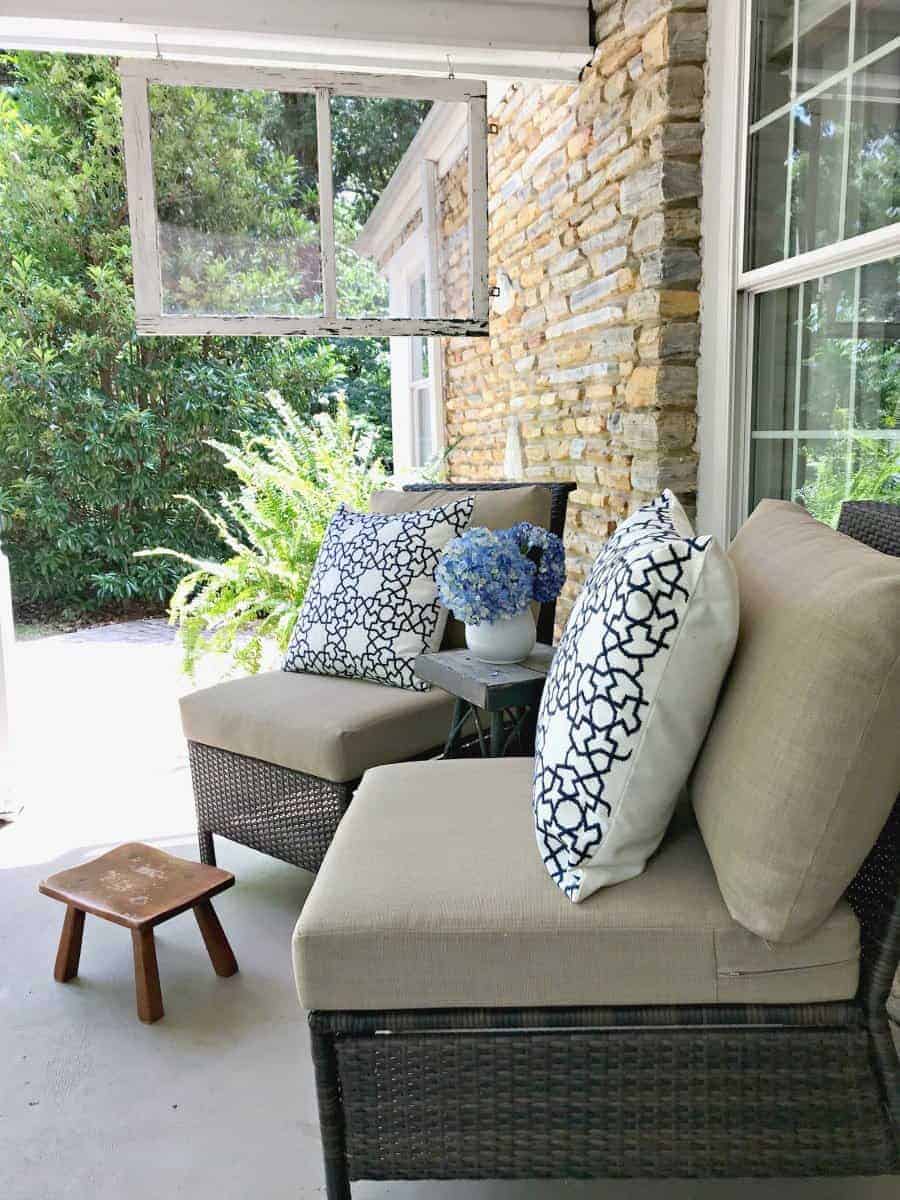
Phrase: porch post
(7, 637)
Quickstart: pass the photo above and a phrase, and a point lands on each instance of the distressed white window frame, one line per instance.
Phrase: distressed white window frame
(728, 293)
(138, 74)
(410, 262)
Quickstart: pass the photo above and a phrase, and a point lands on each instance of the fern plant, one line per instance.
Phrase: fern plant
(875, 475)
(291, 481)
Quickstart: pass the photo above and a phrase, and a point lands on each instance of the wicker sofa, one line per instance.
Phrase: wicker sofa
(467, 1022)
(275, 758)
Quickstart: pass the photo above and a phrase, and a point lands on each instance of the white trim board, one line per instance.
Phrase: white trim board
(541, 39)
(718, 483)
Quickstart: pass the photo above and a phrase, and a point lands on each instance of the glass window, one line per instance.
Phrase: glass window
(817, 165)
(370, 135)
(424, 434)
(877, 23)
(831, 146)
(772, 64)
(238, 221)
(826, 390)
(823, 41)
(823, 166)
(873, 182)
(766, 205)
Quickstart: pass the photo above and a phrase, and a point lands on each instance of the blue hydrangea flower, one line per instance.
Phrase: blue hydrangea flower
(484, 575)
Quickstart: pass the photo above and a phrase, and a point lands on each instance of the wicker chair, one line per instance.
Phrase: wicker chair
(664, 1092)
(290, 814)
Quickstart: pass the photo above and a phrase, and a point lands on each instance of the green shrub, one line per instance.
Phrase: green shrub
(874, 475)
(292, 478)
(101, 429)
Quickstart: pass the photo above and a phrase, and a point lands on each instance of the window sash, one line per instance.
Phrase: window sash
(138, 74)
(845, 254)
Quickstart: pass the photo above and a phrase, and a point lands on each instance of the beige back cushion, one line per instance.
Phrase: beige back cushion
(802, 762)
(493, 510)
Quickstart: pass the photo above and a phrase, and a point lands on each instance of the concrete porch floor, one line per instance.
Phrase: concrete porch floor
(215, 1102)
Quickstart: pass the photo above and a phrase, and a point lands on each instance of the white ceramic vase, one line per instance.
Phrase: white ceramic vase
(506, 640)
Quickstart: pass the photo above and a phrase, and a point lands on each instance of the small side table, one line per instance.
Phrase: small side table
(139, 887)
(510, 695)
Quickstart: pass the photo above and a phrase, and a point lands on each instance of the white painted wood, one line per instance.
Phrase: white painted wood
(841, 256)
(326, 201)
(548, 39)
(478, 208)
(430, 225)
(7, 640)
(404, 87)
(141, 197)
(266, 326)
(718, 479)
(150, 318)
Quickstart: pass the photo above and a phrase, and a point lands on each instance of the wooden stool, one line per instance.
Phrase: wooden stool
(139, 887)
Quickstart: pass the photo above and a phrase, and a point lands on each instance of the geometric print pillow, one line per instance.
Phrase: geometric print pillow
(371, 605)
(629, 697)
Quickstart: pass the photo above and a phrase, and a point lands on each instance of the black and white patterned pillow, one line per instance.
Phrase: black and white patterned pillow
(372, 605)
(629, 697)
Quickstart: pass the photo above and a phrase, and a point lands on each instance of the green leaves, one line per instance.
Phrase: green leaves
(100, 430)
(291, 479)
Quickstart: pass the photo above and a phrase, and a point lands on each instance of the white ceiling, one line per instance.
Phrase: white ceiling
(499, 39)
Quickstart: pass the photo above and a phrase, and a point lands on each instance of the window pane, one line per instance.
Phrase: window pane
(766, 199)
(873, 192)
(823, 41)
(417, 307)
(235, 174)
(878, 347)
(423, 418)
(775, 359)
(835, 412)
(877, 23)
(771, 464)
(827, 351)
(370, 136)
(817, 171)
(773, 41)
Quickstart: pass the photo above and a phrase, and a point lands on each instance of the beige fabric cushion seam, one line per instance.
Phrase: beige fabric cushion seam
(839, 795)
(336, 931)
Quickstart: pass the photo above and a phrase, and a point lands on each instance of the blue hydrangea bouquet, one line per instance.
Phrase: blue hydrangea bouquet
(488, 579)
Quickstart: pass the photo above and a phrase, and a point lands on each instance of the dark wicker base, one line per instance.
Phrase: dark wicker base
(287, 814)
(641, 1102)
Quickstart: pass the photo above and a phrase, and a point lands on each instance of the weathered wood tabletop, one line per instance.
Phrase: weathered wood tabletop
(490, 686)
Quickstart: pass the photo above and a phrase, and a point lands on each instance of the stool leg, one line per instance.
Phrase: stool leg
(217, 946)
(207, 849)
(69, 951)
(146, 976)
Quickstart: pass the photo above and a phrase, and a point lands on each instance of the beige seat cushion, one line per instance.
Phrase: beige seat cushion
(331, 728)
(802, 761)
(433, 894)
(494, 509)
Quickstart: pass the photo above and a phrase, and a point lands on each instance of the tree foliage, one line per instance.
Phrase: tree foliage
(100, 429)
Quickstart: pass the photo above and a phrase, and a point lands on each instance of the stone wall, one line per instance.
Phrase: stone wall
(594, 217)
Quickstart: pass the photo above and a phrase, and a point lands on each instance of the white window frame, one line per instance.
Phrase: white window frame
(138, 74)
(728, 292)
(409, 263)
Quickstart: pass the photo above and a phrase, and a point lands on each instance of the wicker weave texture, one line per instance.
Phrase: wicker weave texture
(287, 814)
(654, 1103)
(874, 522)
